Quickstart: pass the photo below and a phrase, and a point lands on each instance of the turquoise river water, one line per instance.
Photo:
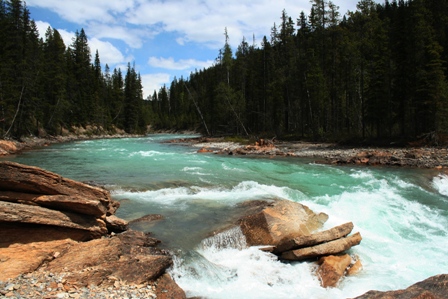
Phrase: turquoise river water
(401, 213)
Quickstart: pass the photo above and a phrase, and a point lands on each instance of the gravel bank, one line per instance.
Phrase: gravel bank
(329, 153)
(48, 285)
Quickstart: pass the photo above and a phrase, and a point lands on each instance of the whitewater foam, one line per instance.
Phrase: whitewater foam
(440, 183)
(247, 190)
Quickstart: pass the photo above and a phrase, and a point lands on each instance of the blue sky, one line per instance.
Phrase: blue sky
(165, 38)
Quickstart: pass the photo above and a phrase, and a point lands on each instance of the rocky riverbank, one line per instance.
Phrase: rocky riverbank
(328, 153)
(59, 238)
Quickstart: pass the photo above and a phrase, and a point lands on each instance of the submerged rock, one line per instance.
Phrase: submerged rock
(332, 268)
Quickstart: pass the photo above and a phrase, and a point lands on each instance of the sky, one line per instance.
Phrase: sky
(165, 38)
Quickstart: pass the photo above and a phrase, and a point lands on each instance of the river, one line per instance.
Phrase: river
(401, 213)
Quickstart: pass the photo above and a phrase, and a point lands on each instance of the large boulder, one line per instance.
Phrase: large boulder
(280, 220)
(435, 287)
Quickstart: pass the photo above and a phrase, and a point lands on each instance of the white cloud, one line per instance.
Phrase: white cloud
(201, 22)
(67, 36)
(81, 11)
(182, 64)
(42, 28)
(134, 21)
(153, 82)
(131, 36)
(108, 53)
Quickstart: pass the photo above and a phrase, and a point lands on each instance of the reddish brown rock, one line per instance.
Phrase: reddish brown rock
(435, 287)
(13, 233)
(329, 248)
(7, 147)
(316, 238)
(12, 212)
(205, 150)
(354, 268)
(25, 258)
(332, 268)
(115, 224)
(58, 202)
(168, 289)
(280, 220)
(39, 210)
(29, 179)
(126, 257)
(30, 195)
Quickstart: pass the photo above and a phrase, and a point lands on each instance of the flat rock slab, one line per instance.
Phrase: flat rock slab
(329, 248)
(12, 212)
(25, 258)
(29, 179)
(128, 257)
(316, 238)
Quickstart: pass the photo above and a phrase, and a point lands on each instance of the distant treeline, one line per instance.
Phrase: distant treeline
(379, 72)
(46, 87)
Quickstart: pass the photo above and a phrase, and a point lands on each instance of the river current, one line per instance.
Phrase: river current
(401, 213)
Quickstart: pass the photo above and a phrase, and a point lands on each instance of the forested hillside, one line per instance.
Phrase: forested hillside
(378, 73)
(46, 87)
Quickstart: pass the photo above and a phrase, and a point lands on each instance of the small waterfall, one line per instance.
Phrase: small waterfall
(231, 238)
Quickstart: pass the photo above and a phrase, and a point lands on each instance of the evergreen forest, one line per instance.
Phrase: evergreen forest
(377, 73)
(47, 87)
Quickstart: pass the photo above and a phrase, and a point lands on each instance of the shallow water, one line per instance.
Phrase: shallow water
(402, 214)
